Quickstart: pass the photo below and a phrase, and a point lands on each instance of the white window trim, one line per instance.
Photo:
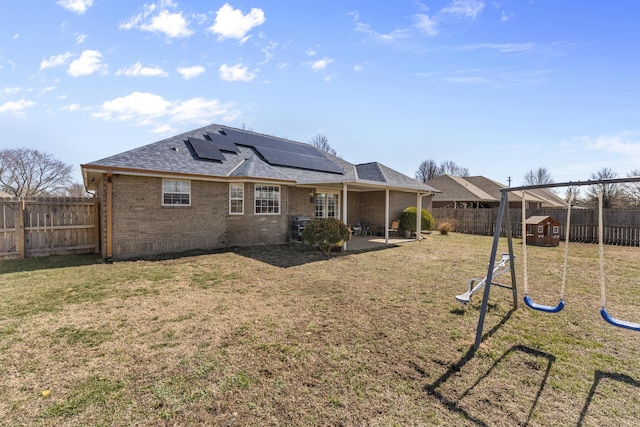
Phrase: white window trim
(171, 204)
(255, 189)
(339, 202)
(231, 185)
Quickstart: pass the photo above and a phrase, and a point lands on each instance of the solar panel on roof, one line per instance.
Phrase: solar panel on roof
(284, 153)
(284, 158)
(206, 149)
(253, 140)
(223, 143)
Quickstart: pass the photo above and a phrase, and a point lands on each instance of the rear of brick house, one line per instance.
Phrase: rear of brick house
(217, 187)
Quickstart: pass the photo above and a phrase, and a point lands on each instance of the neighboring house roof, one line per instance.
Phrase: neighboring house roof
(459, 189)
(3, 194)
(482, 189)
(224, 153)
(549, 198)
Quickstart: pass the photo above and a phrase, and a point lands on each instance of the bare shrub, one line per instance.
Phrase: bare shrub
(444, 227)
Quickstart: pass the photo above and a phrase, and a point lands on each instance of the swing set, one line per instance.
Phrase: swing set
(494, 267)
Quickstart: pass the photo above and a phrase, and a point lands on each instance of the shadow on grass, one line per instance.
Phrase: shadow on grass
(292, 255)
(600, 375)
(284, 256)
(452, 405)
(432, 389)
(48, 262)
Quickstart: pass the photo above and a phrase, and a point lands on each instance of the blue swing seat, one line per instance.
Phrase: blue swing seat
(617, 322)
(546, 308)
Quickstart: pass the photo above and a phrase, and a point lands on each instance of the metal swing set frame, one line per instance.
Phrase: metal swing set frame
(494, 267)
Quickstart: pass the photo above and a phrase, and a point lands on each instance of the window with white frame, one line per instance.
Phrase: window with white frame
(176, 193)
(327, 205)
(267, 199)
(236, 199)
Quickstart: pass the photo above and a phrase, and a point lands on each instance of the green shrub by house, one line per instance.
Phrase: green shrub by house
(326, 233)
(408, 219)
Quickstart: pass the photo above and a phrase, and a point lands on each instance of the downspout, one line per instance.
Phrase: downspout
(109, 219)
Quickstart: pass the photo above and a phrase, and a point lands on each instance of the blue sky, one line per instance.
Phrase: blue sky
(499, 87)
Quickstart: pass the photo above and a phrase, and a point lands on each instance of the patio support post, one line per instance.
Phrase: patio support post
(386, 216)
(109, 221)
(344, 210)
(419, 217)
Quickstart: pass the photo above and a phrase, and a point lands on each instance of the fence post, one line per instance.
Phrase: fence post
(20, 230)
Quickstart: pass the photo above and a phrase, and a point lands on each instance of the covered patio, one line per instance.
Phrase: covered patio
(363, 243)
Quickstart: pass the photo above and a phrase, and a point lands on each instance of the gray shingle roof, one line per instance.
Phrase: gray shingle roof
(482, 189)
(370, 172)
(455, 188)
(174, 155)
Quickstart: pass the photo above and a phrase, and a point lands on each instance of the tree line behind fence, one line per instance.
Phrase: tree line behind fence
(48, 225)
(621, 226)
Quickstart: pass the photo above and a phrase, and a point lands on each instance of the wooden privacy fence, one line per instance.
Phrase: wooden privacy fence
(621, 226)
(48, 225)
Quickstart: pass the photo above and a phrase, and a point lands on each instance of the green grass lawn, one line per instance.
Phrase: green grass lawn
(287, 336)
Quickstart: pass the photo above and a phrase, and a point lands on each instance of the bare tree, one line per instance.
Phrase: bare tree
(572, 194)
(321, 142)
(427, 170)
(451, 168)
(633, 189)
(430, 169)
(536, 177)
(26, 172)
(611, 193)
(76, 190)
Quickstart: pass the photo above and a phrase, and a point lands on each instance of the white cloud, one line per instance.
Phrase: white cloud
(231, 23)
(148, 109)
(311, 52)
(502, 47)
(8, 90)
(71, 107)
(330, 78)
(189, 73)
(164, 129)
(236, 73)
(75, 6)
(138, 105)
(80, 38)
(171, 24)
(464, 8)
(393, 36)
(55, 60)
(16, 107)
(357, 68)
(625, 143)
(138, 70)
(88, 63)
(321, 64)
(268, 52)
(200, 111)
(158, 18)
(426, 24)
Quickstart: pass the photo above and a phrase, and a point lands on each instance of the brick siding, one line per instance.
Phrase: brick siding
(143, 227)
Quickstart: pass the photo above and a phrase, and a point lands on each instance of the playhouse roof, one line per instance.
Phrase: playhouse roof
(537, 219)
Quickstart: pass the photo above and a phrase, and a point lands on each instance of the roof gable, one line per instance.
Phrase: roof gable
(455, 188)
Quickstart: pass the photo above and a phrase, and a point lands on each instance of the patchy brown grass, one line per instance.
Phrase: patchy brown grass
(283, 336)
